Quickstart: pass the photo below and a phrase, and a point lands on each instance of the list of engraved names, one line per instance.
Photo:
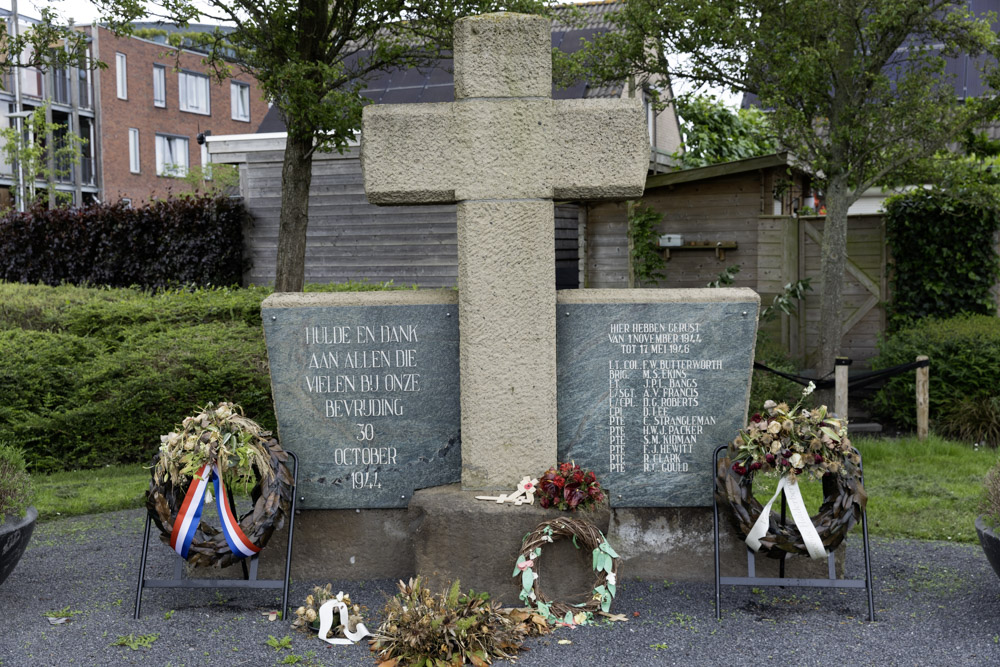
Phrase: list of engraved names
(363, 376)
(654, 371)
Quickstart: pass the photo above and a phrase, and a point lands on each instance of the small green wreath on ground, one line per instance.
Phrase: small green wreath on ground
(605, 563)
(245, 454)
(843, 500)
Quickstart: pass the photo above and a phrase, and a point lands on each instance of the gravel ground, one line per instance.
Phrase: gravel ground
(936, 603)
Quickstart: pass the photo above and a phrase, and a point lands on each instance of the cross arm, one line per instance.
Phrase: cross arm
(406, 154)
(601, 147)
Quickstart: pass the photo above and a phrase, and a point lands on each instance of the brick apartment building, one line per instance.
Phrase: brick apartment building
(140, 118)
(152, 106)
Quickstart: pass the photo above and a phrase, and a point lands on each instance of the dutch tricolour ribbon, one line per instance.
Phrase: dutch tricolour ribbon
(189, 516)
(799, 515)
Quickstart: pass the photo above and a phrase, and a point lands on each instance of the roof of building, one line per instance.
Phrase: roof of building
(572, 25)
(783, 159)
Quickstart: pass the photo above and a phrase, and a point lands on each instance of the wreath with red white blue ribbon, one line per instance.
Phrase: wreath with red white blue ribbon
(210, 448)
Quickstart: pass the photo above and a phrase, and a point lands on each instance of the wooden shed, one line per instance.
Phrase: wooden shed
(746, 213)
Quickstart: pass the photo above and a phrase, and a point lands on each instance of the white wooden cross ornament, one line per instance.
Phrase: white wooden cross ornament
(525, 493)
(503, 151)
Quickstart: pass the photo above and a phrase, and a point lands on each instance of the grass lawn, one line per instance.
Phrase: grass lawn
(927, 490)
(63, 494)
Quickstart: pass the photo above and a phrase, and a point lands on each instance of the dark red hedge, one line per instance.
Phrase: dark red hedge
(167, 243)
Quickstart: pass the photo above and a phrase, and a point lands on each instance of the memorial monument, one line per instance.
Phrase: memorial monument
(382, 394)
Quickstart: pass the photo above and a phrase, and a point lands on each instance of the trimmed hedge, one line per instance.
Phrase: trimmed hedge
(196, 241)
(942, 250)
(94, 376)
(964, 356)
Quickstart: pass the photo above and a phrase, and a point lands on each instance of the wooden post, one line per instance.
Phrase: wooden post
(923, 405)
(841, 366)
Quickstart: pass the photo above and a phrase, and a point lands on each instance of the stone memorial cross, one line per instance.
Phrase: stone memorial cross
(503, 151)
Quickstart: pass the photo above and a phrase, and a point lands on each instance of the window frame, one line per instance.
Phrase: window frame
(134, 165)
(182, 101)
(160, 82)
(121, 75)
(235, 86)
(160, 164)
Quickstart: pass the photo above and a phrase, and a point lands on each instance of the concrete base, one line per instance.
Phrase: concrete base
(677, 544)
(478, 541)
(447, 534)
(344, 544)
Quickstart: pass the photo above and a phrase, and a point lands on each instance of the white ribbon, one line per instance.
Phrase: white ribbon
(800, 516)
(326, 623)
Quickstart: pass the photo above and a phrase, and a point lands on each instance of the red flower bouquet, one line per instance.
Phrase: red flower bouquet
(568, 487)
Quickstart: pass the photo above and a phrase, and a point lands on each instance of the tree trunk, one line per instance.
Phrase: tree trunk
(296, 177)
(833, 264)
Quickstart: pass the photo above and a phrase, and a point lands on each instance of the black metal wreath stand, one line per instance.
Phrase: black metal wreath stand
(753, 580)
(249, 579)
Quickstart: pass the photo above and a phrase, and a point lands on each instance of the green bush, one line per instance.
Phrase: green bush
(943, 258)
(964, 356)
(92, 377)
(98, 409)
(765, 385)
(15, 485)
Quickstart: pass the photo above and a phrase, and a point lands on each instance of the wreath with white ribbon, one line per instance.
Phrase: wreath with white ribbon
(844, 498)
(793, 443)
(604, 560)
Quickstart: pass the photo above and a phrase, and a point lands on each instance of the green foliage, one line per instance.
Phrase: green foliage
(94, 376)
(65, 612)
(135, 642)
(648, 263)
(279, 644)
(991, 499)
(196, 241)
(26, 147)
(113, 405)
(943, 258)
(855, 90)
(727, 277)
(768, 386)
(214, 180)
(971, 420)
(15, 485)
(714, 133)
(964, 356)
(421, 628)
(32, 47)
(924, 489)
(785, 302)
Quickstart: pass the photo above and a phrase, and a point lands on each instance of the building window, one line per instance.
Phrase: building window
(159, 86)
(133, 150)
(121, 71)
(193, 95)
(171, 155)
(240, 101)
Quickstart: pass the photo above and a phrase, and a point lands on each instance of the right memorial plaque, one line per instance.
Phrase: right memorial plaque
(647, 391)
